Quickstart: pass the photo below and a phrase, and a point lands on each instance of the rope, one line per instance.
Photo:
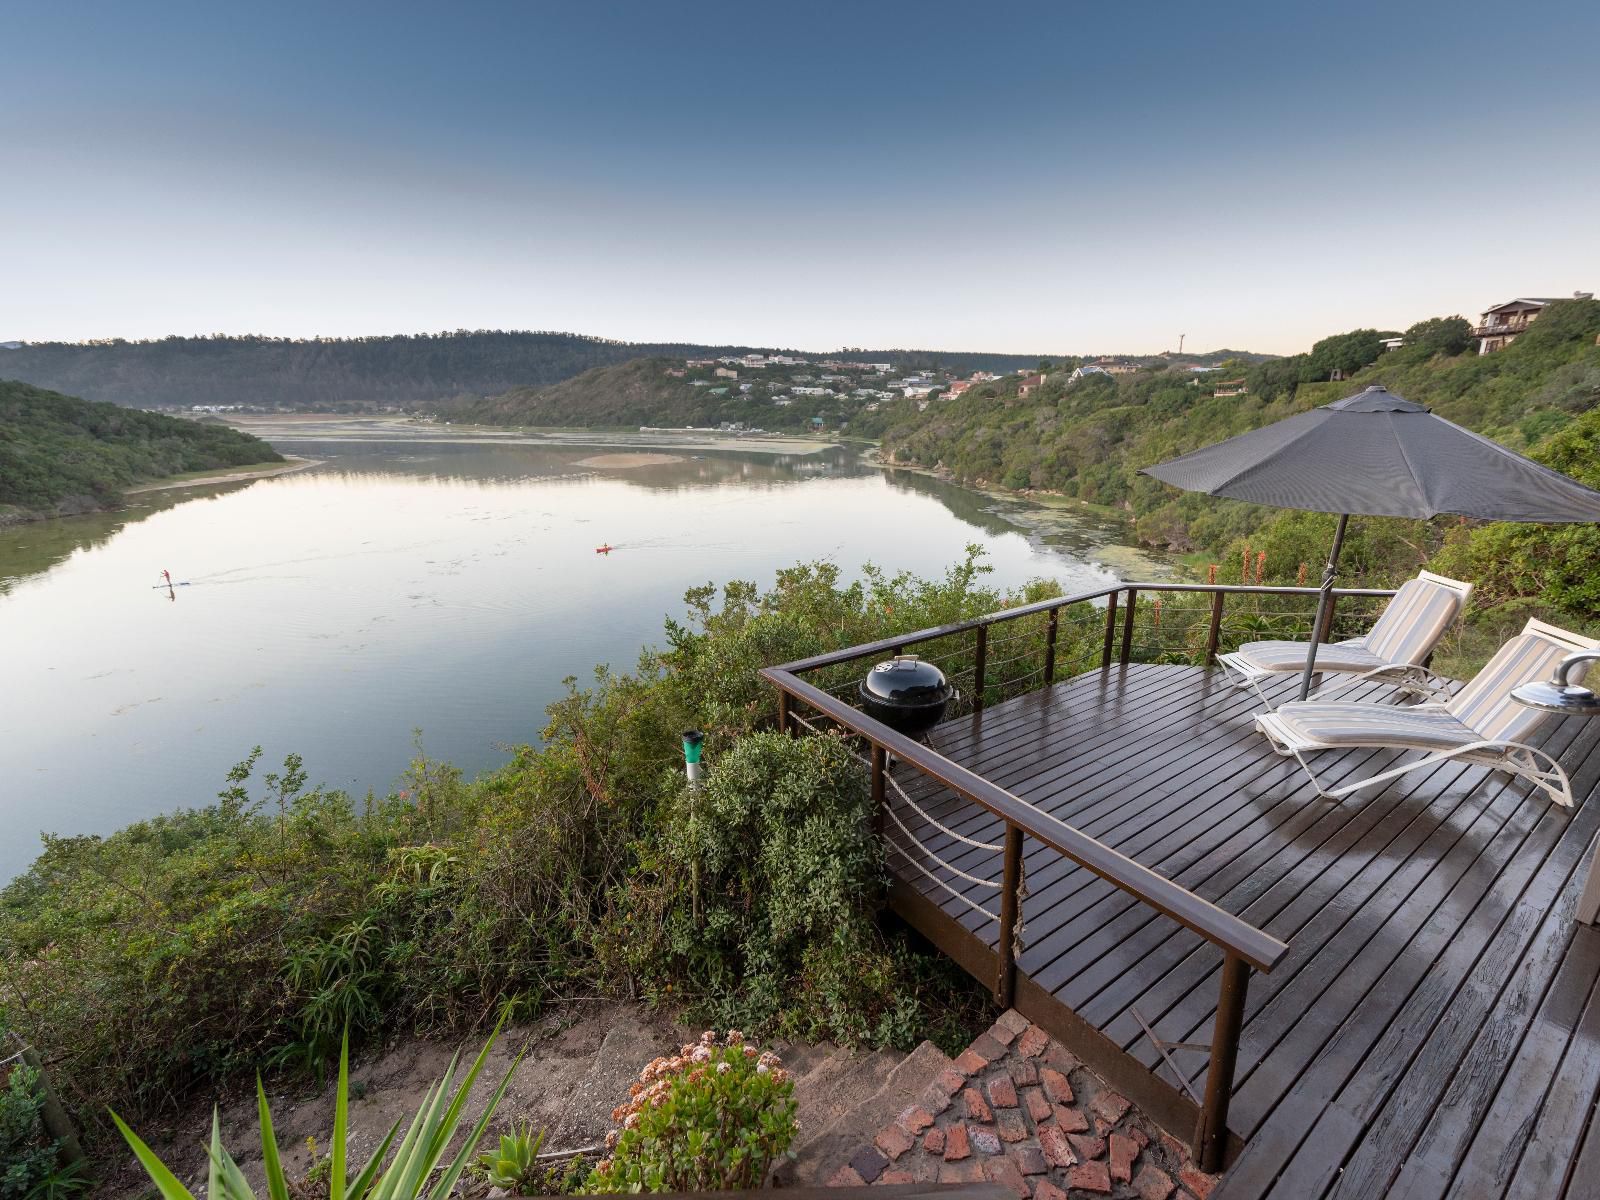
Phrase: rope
(1017, 942)
(889, 808)
(978, 908)
(894, 783)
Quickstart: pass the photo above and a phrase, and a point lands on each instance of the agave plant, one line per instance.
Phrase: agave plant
(409, 1176)
(515, 1162)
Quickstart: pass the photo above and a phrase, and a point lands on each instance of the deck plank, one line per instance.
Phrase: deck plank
(1436, 1024)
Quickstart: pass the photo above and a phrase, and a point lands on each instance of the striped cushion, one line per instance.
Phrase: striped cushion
(1414, 620)
(1486, 703)
(1291, 656)
(1334, 724)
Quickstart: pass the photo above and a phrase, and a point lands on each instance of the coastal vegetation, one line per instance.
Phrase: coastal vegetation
(186, 951)
(59, 454)
(1087, 439)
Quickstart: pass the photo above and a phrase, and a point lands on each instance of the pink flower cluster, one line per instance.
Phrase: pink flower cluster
(659, 1074)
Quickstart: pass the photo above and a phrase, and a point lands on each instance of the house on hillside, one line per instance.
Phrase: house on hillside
(1116, 366)
(1231, 387)
(1085, 371)
(726, 373)
(1498, 327)
(1030, 385)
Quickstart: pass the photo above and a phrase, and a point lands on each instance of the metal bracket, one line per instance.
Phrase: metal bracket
(1164, 1049)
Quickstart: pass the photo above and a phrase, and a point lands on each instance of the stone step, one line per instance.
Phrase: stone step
(826, 1149)
(836, 1085)
(801, 1058)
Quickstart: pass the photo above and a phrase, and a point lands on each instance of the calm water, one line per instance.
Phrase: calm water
(445, 586)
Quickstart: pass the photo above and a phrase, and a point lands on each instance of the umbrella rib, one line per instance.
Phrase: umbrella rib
(1416, 479)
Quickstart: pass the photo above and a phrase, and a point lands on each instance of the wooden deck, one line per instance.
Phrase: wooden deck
(1435, 1028)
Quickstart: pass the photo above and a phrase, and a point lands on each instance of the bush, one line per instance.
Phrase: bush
(760, 899)
(713, 1117)
(27, 1157)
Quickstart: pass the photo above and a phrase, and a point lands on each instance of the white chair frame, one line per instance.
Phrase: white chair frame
(1514, 758)
(1413, 679)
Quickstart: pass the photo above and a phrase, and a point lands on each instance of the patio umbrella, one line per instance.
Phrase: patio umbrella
(1378, 455)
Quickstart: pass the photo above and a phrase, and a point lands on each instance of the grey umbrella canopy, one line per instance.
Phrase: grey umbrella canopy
(1379, 455)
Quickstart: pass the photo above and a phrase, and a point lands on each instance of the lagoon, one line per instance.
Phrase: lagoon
(422, 579)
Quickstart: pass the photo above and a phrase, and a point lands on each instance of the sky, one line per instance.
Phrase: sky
(1060, 178)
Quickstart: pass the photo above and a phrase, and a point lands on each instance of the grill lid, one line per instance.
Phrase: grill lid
(906, 680)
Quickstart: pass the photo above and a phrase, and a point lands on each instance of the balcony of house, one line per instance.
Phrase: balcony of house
(1389, 992)
(1506, 328)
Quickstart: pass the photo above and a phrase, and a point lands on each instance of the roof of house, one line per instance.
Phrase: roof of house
(1525, 302)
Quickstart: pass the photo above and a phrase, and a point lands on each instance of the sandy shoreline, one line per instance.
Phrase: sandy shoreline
(287, 468)
(333, 427)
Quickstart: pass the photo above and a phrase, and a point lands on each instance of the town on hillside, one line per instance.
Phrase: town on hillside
(757, 392)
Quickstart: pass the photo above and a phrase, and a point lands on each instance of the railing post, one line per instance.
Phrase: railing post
(783, 711)
(1215, 632)
(1127, 626)
(1050, 647)
(1005, 985)
(878, 766)
(1111, 630)
(1211, 1133)
(979, 668)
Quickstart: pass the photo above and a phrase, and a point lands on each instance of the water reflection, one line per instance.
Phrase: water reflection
(403, 585)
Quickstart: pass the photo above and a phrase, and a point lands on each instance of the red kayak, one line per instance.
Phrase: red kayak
(604, 549)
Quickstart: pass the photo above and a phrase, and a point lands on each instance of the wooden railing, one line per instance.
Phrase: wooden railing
(1114, 638)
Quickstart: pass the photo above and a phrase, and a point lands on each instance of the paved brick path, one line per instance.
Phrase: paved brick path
(1019, 1110)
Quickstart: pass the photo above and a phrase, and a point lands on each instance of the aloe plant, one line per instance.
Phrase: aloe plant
(414, 1172)
(515, 1163)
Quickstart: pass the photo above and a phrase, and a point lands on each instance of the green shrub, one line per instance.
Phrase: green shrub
(761, 895)
(713, 1117)
(27, 1157)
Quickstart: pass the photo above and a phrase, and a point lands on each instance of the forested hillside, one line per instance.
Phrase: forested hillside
(1089, 438)
(637, 392)
(62, 454)
(340, 374)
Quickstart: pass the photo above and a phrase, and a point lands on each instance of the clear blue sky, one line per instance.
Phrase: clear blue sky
(1056, 177)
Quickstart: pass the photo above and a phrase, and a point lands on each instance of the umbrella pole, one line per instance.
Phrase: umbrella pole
(1326, 599)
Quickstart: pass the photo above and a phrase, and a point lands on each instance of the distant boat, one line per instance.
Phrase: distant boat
(607, 549)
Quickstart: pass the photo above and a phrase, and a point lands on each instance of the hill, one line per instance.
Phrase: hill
(629, 394)
(343, 374)
(59, 454)
(666, 392)
(1087, 438)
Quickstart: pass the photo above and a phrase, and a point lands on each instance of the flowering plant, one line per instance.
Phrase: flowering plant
(712, 1117)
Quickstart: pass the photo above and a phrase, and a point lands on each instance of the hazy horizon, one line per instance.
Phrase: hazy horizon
(1076, 180)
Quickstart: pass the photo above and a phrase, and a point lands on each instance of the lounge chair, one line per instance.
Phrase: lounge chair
(1393, 651)
(1481, 724)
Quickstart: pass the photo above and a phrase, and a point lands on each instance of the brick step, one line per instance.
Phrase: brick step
(1016, 1108)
